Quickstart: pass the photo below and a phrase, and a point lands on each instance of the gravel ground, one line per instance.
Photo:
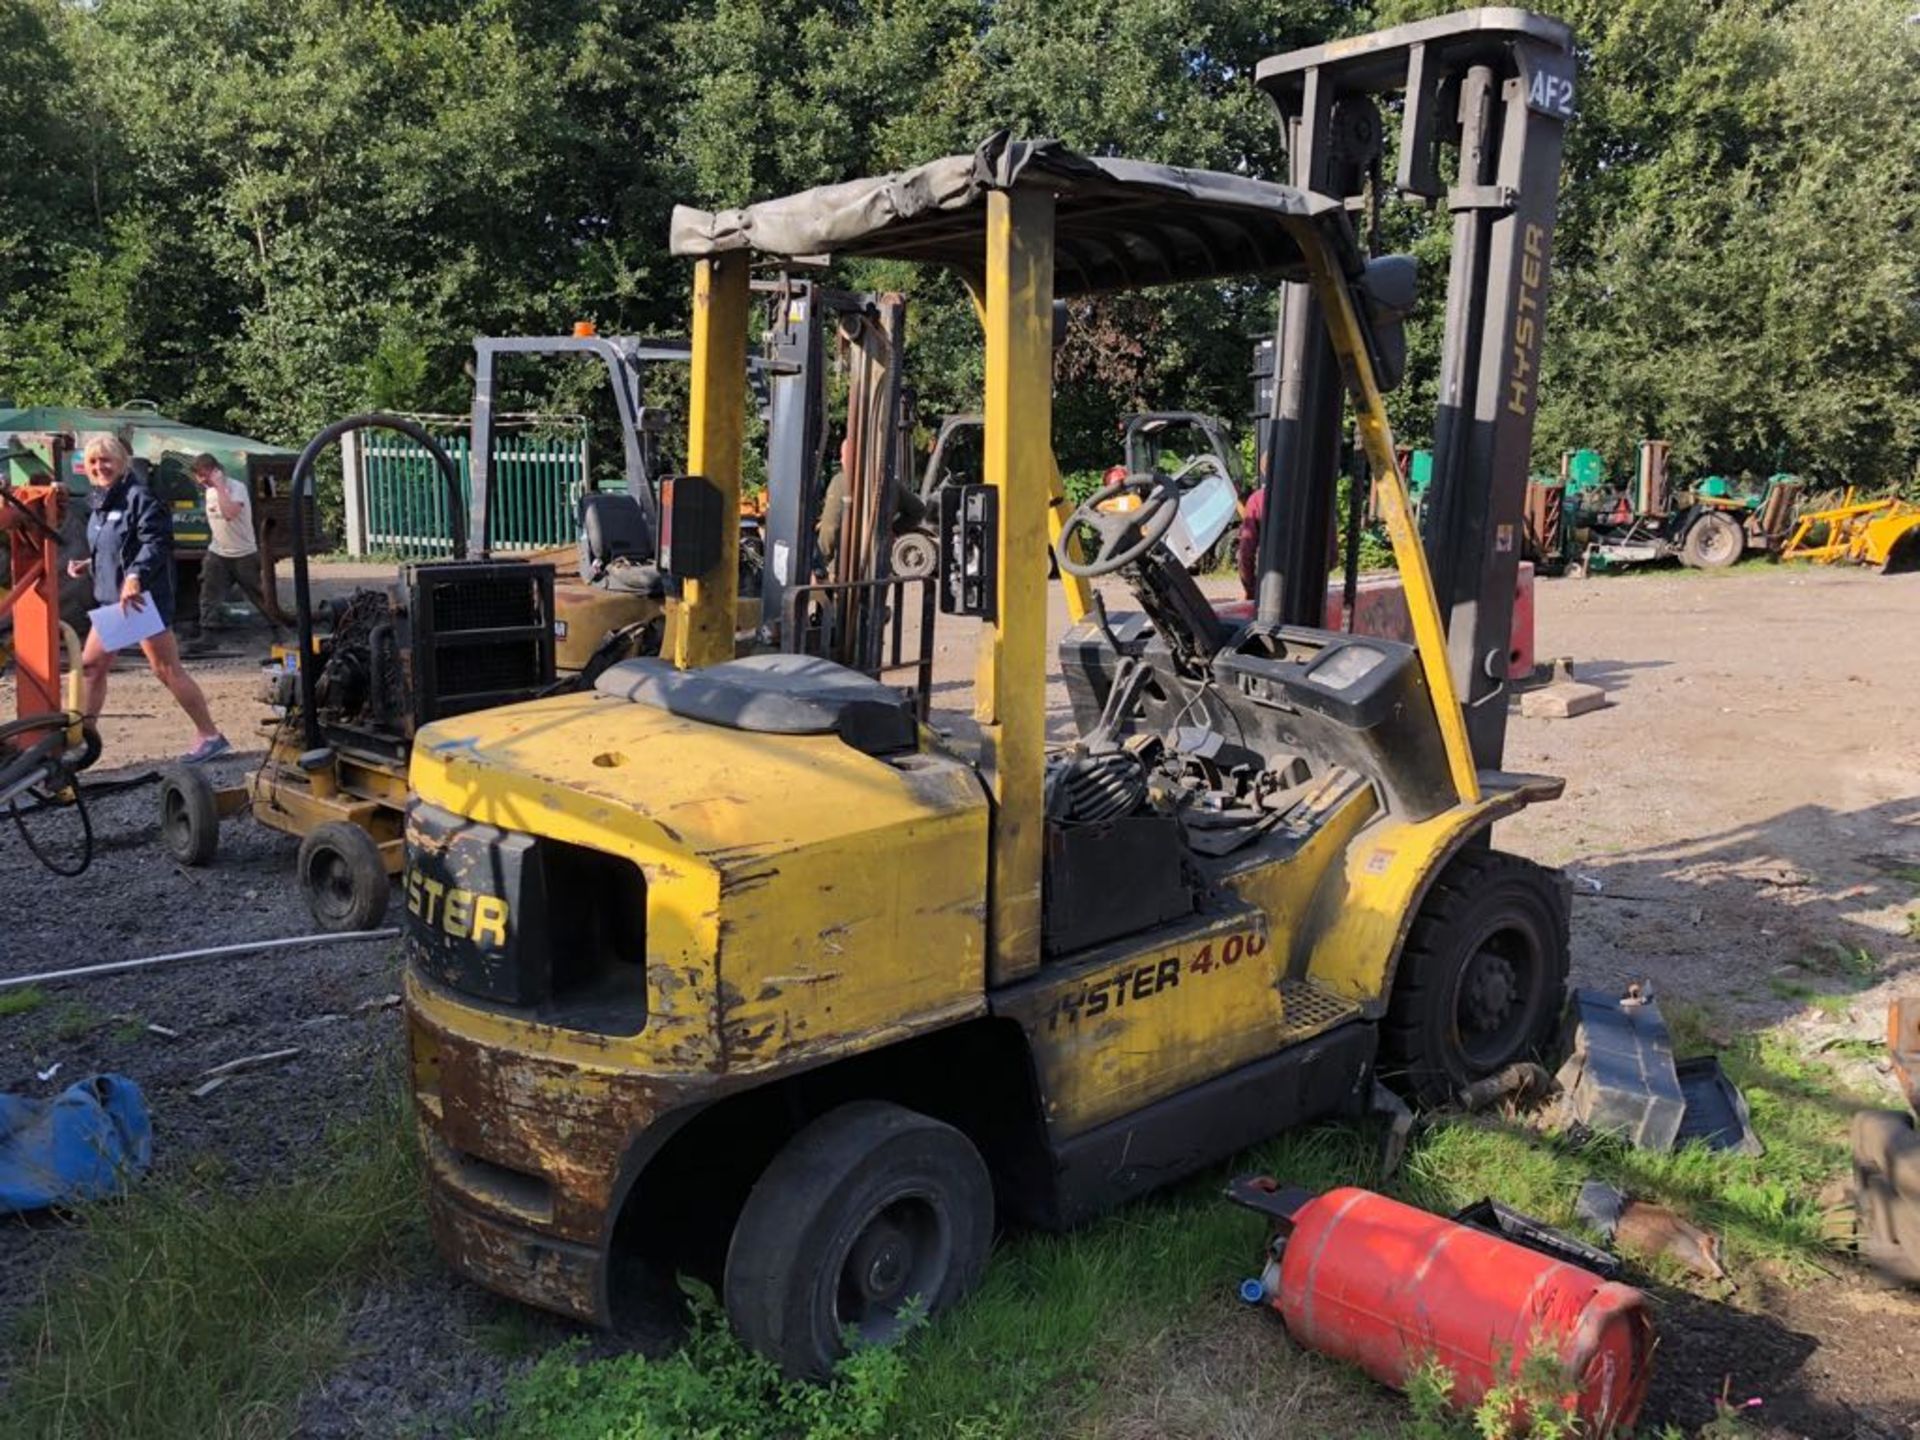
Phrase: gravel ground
(1737, 808)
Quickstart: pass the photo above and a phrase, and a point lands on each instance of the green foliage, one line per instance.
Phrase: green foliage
(22, 1001)
(711, 1388)
(197, 1309)
(1532, 1403)
(73, 1019)
(265, 214)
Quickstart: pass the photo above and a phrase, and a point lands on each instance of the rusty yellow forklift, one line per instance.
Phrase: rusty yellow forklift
(732, 967)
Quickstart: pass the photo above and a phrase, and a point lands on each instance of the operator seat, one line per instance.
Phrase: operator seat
(616, 546)
(774, 695)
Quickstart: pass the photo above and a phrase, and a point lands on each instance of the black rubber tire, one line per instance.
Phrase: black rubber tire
(868, 1174)
(189, 818)
(1490, 920)
(1713, 542)
(342, 876)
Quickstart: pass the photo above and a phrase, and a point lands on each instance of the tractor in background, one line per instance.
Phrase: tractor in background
(1584, 521)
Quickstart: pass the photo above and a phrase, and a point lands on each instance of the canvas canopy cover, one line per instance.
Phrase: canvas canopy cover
(1118, 224)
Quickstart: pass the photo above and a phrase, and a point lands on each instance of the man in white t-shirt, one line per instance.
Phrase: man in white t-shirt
(233, 555)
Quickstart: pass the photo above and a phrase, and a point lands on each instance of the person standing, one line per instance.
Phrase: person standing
(130, 537)
(233, 554)
(908, 509)
(1249, 547)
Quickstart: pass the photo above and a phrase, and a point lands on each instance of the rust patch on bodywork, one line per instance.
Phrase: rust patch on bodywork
(525, 1156)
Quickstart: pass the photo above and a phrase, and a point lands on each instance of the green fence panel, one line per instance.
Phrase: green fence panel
(538, 479)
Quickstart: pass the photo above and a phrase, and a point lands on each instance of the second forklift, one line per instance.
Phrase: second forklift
(732, 967)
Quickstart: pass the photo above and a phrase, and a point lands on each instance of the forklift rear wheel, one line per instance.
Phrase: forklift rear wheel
(342, 876)
(915, 554)
(1483, 977)
(871, 1215)
(189, 818)
(1714, 542)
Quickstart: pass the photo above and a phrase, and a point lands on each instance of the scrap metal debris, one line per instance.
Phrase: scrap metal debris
(1648, 1231)
(1521, 1085)
(1621, 1078)
(1717, 1113)
(211, 952)
(220, 1074)
(1393, 1145)
(1886, 1160)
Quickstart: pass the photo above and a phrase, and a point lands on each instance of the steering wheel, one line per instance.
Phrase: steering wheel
(1121, 536)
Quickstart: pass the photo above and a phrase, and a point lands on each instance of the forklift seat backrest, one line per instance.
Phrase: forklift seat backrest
(774, 695)
(616, 545)
(613, 527)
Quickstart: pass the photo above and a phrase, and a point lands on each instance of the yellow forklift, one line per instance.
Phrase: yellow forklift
(731, 966)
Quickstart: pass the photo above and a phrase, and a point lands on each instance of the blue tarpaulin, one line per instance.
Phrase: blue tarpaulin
(83, 1144)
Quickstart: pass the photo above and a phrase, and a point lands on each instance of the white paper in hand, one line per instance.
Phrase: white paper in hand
(119, 628)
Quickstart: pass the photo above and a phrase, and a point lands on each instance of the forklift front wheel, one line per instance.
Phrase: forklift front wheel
(871, 1215)
(1483, 977)
(342, 876)
(189, 816)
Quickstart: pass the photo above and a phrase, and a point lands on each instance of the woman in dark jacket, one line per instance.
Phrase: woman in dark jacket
(130, 536)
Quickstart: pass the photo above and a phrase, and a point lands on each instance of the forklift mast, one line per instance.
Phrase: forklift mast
(804, 317)
(1496, 87)
(789, 381)
(623, 356)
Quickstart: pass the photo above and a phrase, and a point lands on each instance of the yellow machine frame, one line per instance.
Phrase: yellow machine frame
(848, 894)
(1866, 532)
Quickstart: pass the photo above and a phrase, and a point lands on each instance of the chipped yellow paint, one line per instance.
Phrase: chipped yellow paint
(1390, 493)
(1126, 1026)
(1011, 680)
(702, 625)
(771, 934)
(1371, 890)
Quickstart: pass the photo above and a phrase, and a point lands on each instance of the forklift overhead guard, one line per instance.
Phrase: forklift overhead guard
(1118, 224)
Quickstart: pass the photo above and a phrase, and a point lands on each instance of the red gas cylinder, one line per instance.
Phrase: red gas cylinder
(1388, 1287)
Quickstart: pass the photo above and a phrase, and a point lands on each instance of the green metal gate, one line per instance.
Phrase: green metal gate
(538, 476)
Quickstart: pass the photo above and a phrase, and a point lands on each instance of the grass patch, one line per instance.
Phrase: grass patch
(512, 1334)
(1109, 1331)
(1906, 874)
(194, 1311)
(1800, 993)
(1850, 962)
(74, 1021)
(23, 1001)
(712, 1386)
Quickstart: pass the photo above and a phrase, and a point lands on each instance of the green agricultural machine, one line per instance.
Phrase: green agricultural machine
(1584, 521)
